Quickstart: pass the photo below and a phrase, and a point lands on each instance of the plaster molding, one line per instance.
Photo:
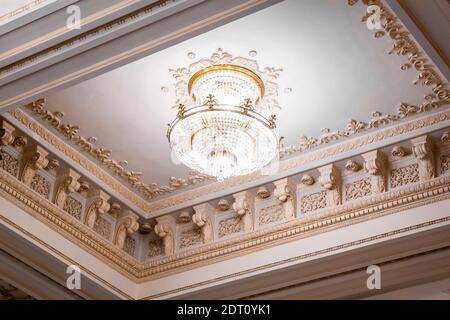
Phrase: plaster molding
(376, 165)
(119, 168)
(84, 37)
(37, 129)
(68, 184)
(417, 194)
(22, 9)
(424, 153)
(287, 164)
(203, 218)
(165, 229)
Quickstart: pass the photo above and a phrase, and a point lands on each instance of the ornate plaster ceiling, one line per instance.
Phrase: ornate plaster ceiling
(334, 70)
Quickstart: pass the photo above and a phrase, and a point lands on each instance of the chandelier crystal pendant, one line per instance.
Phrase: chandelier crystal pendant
(221, 128)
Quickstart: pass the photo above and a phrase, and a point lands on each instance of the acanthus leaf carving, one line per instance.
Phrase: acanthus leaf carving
(165, 229)
(103, 155)
(330, 179)
(423, 151)
(97, 203)
(283, 192)
(203, 218)
(37, 160)
(244, 207)
(375, 165)
(126, 226)
(68, 183)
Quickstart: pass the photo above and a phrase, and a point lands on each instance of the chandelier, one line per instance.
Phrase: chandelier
(223, 127)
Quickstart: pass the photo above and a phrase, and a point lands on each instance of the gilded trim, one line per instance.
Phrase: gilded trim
(227, 67)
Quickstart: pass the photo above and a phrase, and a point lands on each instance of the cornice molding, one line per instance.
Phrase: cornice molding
(302, 257)
(57, 219)
(56, 142)
(419, 194)
(176, 199)
(22, 9)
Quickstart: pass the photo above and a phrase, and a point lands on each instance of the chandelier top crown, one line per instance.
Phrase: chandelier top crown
(241, 76)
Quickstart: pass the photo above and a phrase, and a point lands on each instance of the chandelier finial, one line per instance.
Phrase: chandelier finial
(247, 105)
(181, 110)
(210, 101)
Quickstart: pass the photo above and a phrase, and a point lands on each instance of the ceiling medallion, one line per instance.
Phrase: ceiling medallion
(225, 124)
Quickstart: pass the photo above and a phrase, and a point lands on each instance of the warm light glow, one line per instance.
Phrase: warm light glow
(222, 136)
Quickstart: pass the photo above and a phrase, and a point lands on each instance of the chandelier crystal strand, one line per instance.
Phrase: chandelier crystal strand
(224, 135)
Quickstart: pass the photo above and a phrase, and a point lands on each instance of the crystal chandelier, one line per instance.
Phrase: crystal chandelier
(222, 128)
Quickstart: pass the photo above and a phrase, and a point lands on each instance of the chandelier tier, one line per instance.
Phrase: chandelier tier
(220, 129)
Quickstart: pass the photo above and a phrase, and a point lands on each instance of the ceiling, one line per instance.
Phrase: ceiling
(332, 64)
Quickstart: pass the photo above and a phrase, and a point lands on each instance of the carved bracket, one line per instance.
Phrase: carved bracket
(376, 165)
(97, 203)
(423, 151)
(284, 194)
(203, 218)
(127, 225)
(243, 206)
(68, 184)
(330, 179)
(37, 160)
(165, 228)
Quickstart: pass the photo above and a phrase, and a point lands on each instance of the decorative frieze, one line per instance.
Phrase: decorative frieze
(330, 179)
(155, 248)
(423, 151)
(445, 163)
(313, 201)
(405, 175)
(358, 189)
(271, 214)
(129, 246)
(376, 165)
(191, 237)
(229, 226)
(103, 227)
(41, 185)
(9, 163)
(73, 207)
(165, 228)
